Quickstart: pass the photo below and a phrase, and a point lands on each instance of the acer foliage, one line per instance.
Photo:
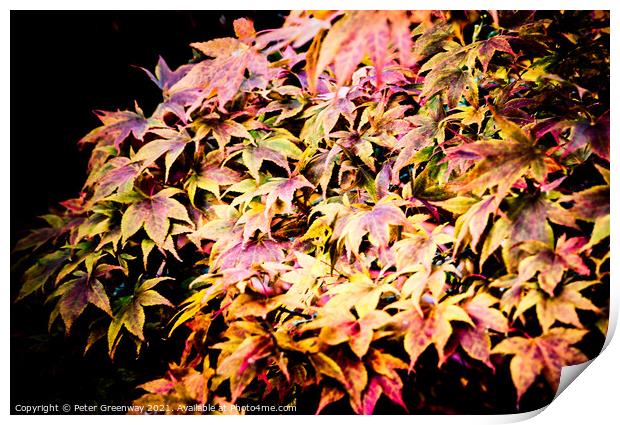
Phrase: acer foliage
(337, 205)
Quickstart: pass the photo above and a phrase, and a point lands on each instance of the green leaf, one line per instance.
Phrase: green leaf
(131, 315)
(38, 274)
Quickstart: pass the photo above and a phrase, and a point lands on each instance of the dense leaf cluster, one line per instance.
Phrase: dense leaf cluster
(335, 204)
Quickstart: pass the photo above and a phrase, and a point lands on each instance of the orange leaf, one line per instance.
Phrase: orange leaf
(546, 355)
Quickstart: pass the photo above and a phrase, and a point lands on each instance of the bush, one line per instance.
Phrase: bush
(406, 204)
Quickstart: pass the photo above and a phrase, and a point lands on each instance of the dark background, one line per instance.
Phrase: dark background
(64, 65)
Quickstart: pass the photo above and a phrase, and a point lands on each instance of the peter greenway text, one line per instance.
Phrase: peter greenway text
(81, 408)
(67, 408)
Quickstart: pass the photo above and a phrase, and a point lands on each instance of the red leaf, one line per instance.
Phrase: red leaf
(488, 48)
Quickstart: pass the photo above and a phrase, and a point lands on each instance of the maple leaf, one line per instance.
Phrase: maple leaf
(244, 256)
(220, 226)
(384, 120)
(280, 193)
(432, 328)
(355, 377)
(329, 395)
(298, 29)
(82, 253)
(527, 220)
(174, 102)
(164, 77)
(154, 214)
(551, 264)
(473, 223)
(367, 324)
(120, 175)
(589, 204)
(131, 314)
(375, 222)
(546, 355)
(595, 134)
(181, 383)
(489, 47)
(452, 73)
(361, 32)
(338, 326)
(282, 141)
(211, 176)
(391, 387)
(75, 294)
(221, 130)
(322, 117)
(600, 230)
(432, 278)
(172, 145)
(476, 340)
(325, 365)
(253, 158)
(35, 238)
(359, 292)
(500, 162)
(420, 247)
(432, 39)
(244, 29)
(97, 224)
(349, 39)
(384, 364)
(414, 141)
(288, 107)
(38, 274)
(479, 308)
(306, 276)
(246, 305)
(458, 83)
(254, 219)
(560, 307)
(116, 127)
(158, 386)
(225, 73)
(366, 381)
